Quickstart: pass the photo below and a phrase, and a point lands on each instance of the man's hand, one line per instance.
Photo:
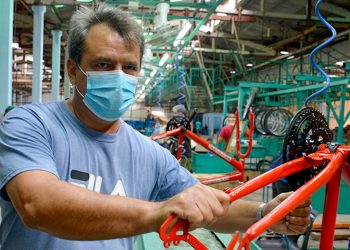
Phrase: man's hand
(296, 222)
(200, 205)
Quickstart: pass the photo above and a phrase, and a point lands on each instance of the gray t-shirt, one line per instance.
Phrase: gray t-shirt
(49, 137)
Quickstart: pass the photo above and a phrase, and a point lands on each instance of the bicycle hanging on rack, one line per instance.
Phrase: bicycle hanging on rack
(179, 128)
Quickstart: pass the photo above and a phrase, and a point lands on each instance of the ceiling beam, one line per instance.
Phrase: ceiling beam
(267, 50)
(301, 35)
(225, 51)
(302, 50)
(284, 15)
(335, 10)
(319, 24)
(186, 14)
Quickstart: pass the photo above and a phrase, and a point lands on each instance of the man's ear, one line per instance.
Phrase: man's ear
(72, 70)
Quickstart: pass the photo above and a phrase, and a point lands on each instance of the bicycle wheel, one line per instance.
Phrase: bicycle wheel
(276, 122)
(259, 118)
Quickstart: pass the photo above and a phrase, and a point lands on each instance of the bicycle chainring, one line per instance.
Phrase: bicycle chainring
(306, 132)
(176, 122)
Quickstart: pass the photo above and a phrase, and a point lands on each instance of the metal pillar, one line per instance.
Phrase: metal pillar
(6, 20)
(38, 45)
(66, 82)
(56, 63)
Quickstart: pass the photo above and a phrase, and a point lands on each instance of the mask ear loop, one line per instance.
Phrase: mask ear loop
(84, 74)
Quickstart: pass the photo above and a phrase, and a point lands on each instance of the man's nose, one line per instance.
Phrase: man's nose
(118, 67)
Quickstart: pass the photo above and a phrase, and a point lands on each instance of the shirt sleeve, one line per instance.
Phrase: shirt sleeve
(24, 145)
(173, 178)
(223, 132)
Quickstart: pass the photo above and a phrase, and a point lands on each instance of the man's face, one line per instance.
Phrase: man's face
(105, 50)
(231, 119)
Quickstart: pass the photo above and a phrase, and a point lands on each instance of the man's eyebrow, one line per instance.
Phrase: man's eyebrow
(102, 58)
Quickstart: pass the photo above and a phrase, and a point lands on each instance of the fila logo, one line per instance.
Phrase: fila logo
(95, 182)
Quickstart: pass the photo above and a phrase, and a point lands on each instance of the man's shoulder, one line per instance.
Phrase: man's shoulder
(32, 109)
(36, 108)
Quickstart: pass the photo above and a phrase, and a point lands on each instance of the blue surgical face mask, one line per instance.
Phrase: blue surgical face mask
(109, 93)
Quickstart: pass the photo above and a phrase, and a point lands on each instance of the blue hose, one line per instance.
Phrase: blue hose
(181, 74)
(319, 47)
(159, 94)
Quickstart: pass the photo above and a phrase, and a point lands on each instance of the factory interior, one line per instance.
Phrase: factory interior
(252, 66)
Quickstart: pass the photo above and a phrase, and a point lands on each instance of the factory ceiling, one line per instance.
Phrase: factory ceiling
(235, 33)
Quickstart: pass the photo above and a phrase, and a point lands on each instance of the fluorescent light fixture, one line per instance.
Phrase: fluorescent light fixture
(283, 52)
(205, 29)
(183, 32)
(147, 81)
(177, 42)
(249, 65)
(228, 6)
(133, 5)
(153, 73)
(291, 57)
(164, 58)
(233, 72)
(221, 14)
(29, 58)
(158, 113)
(340, 63)
(215, 23)
(57, 6)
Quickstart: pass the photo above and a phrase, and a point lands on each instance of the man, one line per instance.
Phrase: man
(75, 176)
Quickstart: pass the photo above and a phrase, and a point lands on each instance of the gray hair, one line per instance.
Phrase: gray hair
(117, 19)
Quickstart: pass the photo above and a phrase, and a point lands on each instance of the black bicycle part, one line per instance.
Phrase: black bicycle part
(191, 118)
(307, 131)
(176, 122)
(259, 166)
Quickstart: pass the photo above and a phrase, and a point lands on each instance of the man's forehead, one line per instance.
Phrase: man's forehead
(110, 46)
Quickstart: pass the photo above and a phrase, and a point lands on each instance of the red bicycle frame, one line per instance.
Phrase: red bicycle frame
(337, 159)
(237, 165)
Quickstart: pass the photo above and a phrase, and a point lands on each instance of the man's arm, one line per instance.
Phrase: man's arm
(220, 139)
(67, 211)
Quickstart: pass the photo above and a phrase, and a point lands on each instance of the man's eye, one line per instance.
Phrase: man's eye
(103, 65)
(130, 67)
